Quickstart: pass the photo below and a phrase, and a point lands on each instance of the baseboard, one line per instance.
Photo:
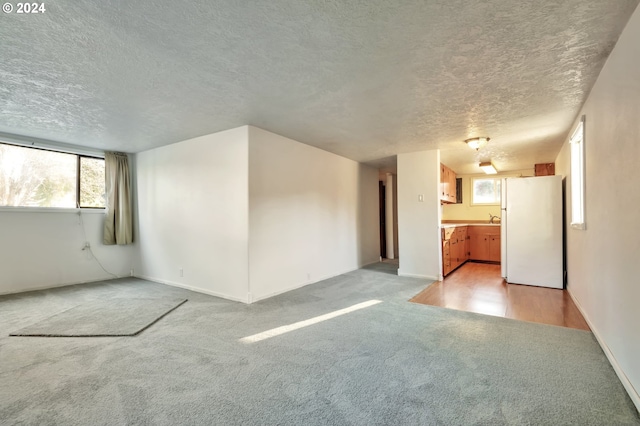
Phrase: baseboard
(250, 298)
(424, 277)
(295, 287)
(51, 286)
(191, 288)
(306, 283)
(633, 393)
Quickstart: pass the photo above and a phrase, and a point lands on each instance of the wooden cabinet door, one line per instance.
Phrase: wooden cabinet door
(447, 184)
(484, 247)
(442, 181)
(452, 186)
(494, 248)
(446, 257)
(477, 246)
(459, 247)
(464, 247)
(481, 247)
(454, 253)
(546, 169)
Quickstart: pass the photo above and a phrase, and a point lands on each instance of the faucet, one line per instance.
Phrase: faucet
(492, 218)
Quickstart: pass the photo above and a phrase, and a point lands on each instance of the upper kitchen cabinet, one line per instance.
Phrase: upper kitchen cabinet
(447, 184)
(545, 169)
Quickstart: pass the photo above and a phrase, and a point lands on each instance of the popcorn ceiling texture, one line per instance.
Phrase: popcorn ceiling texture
(362, 79)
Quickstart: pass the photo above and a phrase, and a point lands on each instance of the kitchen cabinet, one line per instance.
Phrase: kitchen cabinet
(545, 169)
(455, 248)
(494, 248)
(446, 258)
(447, 184)
(455, 252)
(484, 243)
(464, 245)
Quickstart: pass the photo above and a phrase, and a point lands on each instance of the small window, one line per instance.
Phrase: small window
(31, 177)
(486, 191)
(577, 176)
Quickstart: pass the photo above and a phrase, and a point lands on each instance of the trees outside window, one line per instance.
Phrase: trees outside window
(32, 177)
(486, 191)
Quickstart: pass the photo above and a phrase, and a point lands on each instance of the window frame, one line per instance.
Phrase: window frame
(78, 181)
(499, 192)
(577, 173)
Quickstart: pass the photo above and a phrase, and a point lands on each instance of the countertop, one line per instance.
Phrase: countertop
(454, 225)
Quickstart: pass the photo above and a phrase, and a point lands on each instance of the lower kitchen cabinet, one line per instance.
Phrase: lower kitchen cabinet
(455, 248)
(462, 243)
(484, 243)
(494, 247)
(446, 257)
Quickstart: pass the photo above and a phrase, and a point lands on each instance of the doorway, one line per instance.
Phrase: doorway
(382, 197)
(388, 213)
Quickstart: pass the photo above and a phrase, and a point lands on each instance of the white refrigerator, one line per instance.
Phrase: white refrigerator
(531, 231)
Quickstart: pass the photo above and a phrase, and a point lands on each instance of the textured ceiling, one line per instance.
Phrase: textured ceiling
(363, 79)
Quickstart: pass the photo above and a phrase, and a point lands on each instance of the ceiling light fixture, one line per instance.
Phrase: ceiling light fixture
(476, 143)
(488, 168)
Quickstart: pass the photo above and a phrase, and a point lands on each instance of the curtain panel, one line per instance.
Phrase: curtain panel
(118, 225)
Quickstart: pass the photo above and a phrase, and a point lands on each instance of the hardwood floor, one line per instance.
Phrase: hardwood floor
(478, 287)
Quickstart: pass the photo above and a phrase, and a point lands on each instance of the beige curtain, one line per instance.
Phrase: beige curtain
(118, 225)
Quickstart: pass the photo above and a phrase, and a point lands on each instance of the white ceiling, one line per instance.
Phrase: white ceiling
(363, 79)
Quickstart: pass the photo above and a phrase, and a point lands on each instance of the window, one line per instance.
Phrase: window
(31, 177)
(486, 191)
(577, 176)
(91, 191)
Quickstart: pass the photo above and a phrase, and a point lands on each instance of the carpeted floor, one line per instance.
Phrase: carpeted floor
(393, 362)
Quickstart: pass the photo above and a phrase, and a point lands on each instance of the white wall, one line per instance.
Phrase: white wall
(43, 248)
(193, 214)
(602, 260)
(419, 221)
(313, 214)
